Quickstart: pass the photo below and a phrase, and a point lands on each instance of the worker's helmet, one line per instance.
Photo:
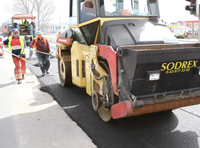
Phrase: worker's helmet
(15, 30)
(89, 3)
(39, 32)
(34, 35)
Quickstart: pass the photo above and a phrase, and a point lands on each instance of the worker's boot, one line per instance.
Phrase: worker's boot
(19, 81)
(47, 71)
(23, 76)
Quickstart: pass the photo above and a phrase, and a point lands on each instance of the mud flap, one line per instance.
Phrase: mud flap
(121, 109)
(125, 109)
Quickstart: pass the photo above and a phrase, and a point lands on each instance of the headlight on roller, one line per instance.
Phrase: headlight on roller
(153, 75)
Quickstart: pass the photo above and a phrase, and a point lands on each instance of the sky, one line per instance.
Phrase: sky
(170, 11)
(174, 10)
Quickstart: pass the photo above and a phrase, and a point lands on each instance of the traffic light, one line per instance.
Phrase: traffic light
(193, 7)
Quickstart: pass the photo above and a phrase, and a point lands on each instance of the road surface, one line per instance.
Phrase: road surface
(179, 128)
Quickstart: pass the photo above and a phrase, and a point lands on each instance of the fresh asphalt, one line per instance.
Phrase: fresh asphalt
(177, 129)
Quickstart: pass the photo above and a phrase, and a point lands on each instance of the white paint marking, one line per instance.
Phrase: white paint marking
(69, 107)
(54, 143)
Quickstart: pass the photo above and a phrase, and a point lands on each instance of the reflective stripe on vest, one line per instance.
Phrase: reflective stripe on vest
(17, 47)
(36, 39)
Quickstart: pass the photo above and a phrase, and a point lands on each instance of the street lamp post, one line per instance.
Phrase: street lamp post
(199, 28)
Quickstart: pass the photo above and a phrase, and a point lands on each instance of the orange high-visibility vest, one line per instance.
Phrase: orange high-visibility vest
(36, 39)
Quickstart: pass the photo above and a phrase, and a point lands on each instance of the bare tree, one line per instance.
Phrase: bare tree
(42, 8)
(4, 24)
(45, 9)
(23, 6)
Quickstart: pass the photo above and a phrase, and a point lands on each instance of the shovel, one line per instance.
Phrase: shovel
(43, 53)
(52, 55)
(36, 65)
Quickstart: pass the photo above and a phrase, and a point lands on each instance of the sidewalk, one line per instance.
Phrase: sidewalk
(188, 40)
(30, 118)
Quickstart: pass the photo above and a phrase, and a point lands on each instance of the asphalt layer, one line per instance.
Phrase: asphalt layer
(179, 128)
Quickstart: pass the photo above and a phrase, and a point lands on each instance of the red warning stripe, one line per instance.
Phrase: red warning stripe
(111, 56)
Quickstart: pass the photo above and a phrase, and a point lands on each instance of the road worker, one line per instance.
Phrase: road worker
(88, 10)
(25, 23)
(17, 46)
(57, 36)
(41, 44)
(34, 36)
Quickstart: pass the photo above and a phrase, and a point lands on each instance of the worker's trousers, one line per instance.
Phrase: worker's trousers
(44, 61)
(20, 67)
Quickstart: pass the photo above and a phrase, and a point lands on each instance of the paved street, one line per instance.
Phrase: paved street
(179, 128)
(22, 120)
(31, 118)
(136, 58)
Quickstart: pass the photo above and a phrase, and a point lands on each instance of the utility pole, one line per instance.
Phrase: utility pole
(199, 27)
(194, 10)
